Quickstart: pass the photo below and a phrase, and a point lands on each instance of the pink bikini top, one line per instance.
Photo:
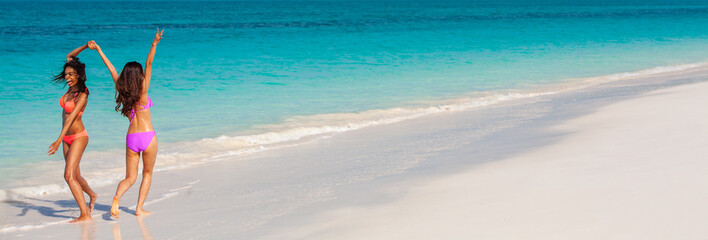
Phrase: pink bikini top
(68, 106)
(145, 107)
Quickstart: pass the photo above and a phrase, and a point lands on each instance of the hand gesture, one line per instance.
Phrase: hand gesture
(92, 45)
(158, 36)
(54, 147)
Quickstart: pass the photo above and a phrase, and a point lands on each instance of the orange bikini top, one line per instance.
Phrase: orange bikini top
(68, 106)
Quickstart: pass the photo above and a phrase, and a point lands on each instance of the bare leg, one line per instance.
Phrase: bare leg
(131, 174)
(149, 156)
(73, 157)
(86, 188)
(65, 148)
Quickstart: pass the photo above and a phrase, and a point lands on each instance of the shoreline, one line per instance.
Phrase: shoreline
(275, 190)
(631, 169)
(305, 128)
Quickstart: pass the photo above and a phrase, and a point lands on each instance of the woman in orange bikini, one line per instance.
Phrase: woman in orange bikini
(134, 103)
(73, 136)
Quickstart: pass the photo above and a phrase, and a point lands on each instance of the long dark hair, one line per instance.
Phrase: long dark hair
(80, 69)
(128, 88)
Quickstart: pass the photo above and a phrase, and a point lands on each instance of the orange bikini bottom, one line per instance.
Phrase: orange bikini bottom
(69, 139)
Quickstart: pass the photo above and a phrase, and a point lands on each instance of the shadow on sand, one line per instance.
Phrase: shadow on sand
(63, 205)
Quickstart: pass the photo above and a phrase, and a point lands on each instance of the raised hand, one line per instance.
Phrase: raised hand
(158, 36)
(92, 45)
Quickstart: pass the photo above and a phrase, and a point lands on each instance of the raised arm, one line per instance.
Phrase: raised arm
(80, 104)
(148, 63)
(75, 52)
(111, 69)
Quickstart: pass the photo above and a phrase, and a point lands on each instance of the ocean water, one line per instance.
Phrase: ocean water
(235, 77)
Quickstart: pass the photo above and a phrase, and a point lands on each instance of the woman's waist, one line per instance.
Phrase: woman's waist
(136, 128)
(65, 116)
(76, 127)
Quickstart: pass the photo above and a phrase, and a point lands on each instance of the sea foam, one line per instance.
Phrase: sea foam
(107, 168)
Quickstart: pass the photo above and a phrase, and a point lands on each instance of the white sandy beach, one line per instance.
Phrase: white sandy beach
(622, 160)
(632, 170)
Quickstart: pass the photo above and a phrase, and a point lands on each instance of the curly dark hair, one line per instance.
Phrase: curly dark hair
(80, 69)
(128, 88)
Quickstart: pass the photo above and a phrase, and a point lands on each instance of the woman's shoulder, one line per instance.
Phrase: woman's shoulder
(82, 96)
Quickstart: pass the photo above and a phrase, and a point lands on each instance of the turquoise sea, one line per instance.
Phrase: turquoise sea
(231, 77)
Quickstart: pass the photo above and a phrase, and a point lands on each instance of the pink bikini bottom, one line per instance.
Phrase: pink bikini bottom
(140, 141)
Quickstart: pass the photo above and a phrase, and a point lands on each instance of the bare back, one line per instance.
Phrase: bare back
(142, 121)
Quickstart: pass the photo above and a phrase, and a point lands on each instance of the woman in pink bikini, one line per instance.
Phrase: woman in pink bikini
(73, 136)
(134, 103)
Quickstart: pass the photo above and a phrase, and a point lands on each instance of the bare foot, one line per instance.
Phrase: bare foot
(142, 213)
(93, 201)
(81, 219)
(114, 207)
